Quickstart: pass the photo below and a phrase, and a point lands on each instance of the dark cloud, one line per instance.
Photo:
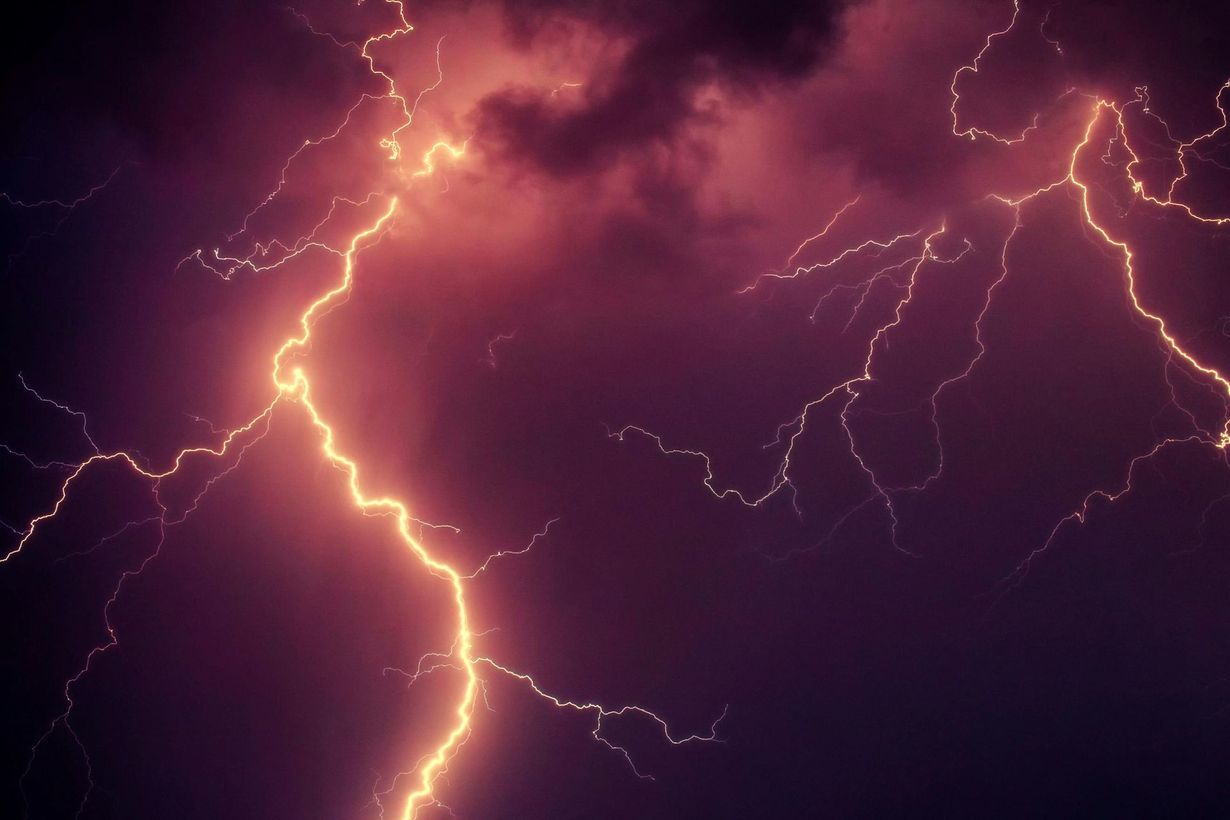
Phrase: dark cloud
(579, 267)
(674, 49)
(151, 80)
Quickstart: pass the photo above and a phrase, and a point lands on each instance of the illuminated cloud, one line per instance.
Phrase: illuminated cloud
(825, 402)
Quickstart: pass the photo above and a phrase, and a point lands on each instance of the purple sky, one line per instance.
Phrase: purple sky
(852, 371)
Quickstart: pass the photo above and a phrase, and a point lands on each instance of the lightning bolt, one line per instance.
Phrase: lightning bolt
(790, 432)
(495, 341)
(293, 387)
(848, 391)
(1219, 440)
(972, 132)
(64, 209)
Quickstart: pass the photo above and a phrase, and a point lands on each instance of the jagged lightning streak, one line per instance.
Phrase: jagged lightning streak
(1175, 351)
(601, 712)
(1181, 149)
(790, 432)
(296, 386)
(973, 132)
(823, 232)
(293, 387)
(1219, 440)
(164, 520)
(135, 465)
(1102, 107)
(491, 360)
(65, 207)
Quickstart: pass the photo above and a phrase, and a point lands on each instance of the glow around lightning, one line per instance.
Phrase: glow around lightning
(912, 254)
(1100, 111)
(293, 388)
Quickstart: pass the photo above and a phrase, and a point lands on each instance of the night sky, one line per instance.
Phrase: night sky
(738, 409)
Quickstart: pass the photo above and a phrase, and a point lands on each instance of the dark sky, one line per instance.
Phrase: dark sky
(885, 424)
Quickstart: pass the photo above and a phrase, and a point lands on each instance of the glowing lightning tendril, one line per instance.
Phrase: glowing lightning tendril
(294, 387)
